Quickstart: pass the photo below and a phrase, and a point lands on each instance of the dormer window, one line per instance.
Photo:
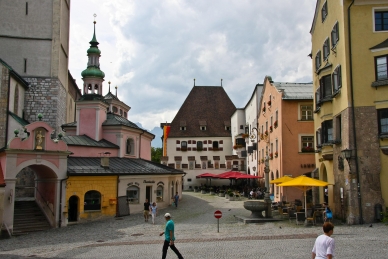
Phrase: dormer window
(182, 128)
(202, 125)
(227, 128)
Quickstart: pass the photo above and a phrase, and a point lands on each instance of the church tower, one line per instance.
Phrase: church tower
(91, 108)
(92, 75)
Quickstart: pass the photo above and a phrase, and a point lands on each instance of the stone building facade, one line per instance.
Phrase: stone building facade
(351, 106)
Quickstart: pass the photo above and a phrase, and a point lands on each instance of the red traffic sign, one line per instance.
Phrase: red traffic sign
(218, 214)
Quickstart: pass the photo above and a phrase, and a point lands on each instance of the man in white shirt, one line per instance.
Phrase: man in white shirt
(324, 245)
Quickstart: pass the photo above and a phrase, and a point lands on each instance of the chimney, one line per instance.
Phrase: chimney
(105, 160)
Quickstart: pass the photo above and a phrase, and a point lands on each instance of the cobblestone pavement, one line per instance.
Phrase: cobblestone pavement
(197, 237)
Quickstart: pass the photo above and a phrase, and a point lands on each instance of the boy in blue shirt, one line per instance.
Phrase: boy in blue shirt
(169, 237)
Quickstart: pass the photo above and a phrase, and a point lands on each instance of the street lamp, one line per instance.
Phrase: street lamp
(347, 154)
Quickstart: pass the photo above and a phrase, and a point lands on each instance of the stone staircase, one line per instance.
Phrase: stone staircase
(28, 217)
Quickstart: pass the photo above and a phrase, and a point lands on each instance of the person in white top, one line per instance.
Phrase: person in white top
(154, 210)
(324, 245)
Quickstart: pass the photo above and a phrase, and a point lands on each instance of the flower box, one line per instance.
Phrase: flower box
(270, 129)
(308, 149)
(237, 146)
(269, 103)
(276, 154)
(275, 124)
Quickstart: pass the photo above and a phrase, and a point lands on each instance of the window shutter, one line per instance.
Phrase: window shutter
(221, 142)
(178, 142)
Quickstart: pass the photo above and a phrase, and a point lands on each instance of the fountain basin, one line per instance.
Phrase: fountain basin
(256, 207)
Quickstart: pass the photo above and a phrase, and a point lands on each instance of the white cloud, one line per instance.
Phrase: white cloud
(153, 49)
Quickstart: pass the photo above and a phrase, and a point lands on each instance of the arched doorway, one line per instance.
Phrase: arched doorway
(73, 208)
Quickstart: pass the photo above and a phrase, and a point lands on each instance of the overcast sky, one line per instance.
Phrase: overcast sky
(152, 50)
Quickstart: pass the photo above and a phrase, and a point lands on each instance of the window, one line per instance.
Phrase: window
(381, 21)
(326, 49)
(204, 164)
(199, 145)
(381, 67)
(241, 126)
(125, 114)
(202, 128)
(189, 179)
(178, 165)
(318, 60)
(115, 109)
(130, 147)
(216, 164)
(276, 145)
(337, 79)
(306, 112)
(182, 128)
(215, 144)
(92, 200)
(26, 8)
(25, 65)
(240, 141)
(325, 85)
(307, 143)
(383, 121)
(227, 128)
(327, 132)
(184, 146)
(159, 193)
(334, 35)
(133, 194)
(324, 11)
(246, 130)
(191, 165)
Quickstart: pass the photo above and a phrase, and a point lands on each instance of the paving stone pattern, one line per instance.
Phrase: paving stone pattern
(196, 236)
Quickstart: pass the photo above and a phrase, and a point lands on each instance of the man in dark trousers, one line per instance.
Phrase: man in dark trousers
(169, 237)
(146, 211)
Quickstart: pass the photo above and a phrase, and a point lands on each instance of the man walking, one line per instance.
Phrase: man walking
(146, 210)
(169, 237)
(176, 199)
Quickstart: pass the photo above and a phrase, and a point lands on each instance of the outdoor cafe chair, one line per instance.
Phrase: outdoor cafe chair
(313, 218)
(291, 215)
(300, 217)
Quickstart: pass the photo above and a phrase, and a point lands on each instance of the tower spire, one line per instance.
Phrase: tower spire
(92, 75)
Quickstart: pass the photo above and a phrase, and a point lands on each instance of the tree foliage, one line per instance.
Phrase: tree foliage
(156, 154)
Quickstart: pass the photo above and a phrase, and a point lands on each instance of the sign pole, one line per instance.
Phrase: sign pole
(218, 215)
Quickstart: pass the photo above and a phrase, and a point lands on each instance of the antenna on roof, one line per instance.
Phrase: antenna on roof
(194, 81)
(109, 87)
(221, 81)
(116, 90)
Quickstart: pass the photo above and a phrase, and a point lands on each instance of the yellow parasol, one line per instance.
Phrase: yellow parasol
(281, 180)
(304, 183)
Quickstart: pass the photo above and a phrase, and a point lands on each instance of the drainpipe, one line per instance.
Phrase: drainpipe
(60, 202)
(7, 109)
(354, 117)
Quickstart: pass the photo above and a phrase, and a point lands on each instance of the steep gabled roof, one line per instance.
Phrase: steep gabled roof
(24, 83)
(21, 121)
(117, 166)
(208, 106)
(84, 140)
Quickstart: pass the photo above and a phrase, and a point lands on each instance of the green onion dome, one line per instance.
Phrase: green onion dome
(92, 72)
(94, 50)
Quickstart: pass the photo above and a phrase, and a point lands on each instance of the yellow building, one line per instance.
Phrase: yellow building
(349, 58)
(89, 197)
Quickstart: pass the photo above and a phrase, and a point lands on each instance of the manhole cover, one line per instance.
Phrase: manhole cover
(136, 235)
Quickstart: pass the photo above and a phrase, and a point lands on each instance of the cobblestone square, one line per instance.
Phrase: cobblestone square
(196, 236)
